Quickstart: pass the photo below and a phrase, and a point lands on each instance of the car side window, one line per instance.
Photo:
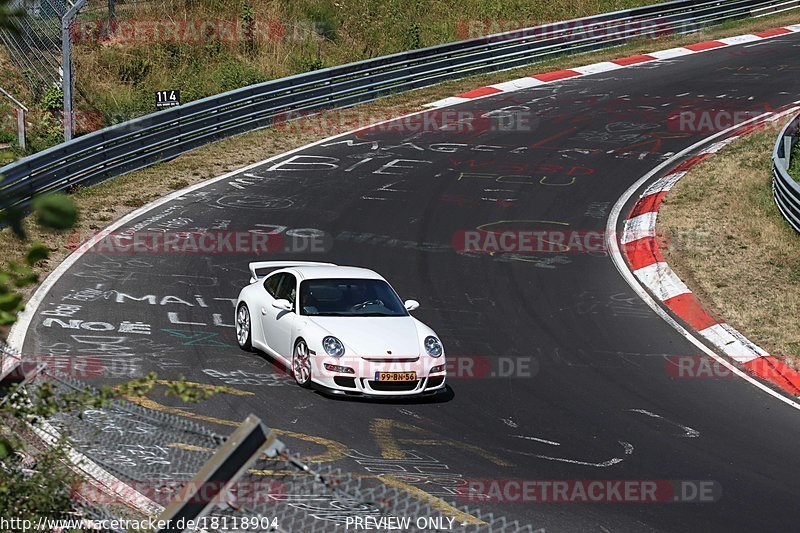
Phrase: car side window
(271, 284)
(287, 290)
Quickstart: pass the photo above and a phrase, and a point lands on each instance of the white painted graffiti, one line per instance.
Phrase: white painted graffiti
(243, 377)
(124, 327)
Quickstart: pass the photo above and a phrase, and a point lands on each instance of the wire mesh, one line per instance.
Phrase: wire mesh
(35, 44)
(135, 461)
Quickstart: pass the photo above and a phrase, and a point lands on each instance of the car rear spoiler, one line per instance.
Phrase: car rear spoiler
(259, 265)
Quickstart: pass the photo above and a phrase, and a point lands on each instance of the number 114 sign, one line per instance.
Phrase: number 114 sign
(168, 98)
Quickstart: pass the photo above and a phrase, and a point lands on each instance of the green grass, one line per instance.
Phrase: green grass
(794, 167)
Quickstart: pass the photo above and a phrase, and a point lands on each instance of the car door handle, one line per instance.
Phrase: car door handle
(263, 310)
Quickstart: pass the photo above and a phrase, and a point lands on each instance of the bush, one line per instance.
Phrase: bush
(234, 74)
(134, 70)
(52, 100)
(45, 132)
(412, 37)
(324, 19)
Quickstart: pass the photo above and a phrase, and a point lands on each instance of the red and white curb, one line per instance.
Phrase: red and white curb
(639, 244)
(606, 66)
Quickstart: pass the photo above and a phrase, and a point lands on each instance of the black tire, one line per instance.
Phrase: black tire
(244, 335)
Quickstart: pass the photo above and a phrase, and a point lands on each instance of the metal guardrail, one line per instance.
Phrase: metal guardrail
(785, 190)
(164, 135)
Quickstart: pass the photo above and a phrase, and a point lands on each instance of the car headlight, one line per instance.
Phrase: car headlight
(333, 346)
(433, 346)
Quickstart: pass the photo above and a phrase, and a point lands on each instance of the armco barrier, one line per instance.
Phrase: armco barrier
(785, 190)
(166, 134)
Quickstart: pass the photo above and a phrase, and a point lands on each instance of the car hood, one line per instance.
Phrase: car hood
(373, 337)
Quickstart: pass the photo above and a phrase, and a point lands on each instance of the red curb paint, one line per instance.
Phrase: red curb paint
(708, 45)
(482, 91)
(774, 371)
(642, 252)
(691, 162)
(556, 75)
(773, 33)
(748, 129)
(633, 60)
(648, 204)
(689, 310)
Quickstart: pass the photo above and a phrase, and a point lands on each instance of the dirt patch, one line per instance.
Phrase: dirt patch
(730, 244)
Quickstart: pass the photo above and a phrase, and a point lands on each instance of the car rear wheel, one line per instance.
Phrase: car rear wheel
(243, 335)
(301, 364)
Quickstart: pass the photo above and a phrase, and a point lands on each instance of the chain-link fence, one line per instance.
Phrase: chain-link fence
(35, 46)
(134, 461)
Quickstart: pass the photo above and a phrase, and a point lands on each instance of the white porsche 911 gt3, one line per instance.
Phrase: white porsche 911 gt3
(342, 329)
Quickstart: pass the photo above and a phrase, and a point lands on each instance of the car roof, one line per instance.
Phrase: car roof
(332, 271)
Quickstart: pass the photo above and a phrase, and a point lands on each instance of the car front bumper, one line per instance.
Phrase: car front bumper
(362, 381)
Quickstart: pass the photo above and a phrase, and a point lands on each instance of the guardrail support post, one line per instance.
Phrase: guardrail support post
(21, 129)
(20, 112)
(229, 462)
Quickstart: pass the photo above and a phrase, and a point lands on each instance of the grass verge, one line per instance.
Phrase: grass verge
(730, 244)
(275, 39)
(101, 204)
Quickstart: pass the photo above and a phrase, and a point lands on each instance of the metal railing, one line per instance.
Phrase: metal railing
(785, 190)
(164, 135)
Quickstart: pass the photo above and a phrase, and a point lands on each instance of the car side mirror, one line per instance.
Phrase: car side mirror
(284, 305)
(410, 305)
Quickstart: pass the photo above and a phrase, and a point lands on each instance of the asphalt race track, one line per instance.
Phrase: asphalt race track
(570, 377)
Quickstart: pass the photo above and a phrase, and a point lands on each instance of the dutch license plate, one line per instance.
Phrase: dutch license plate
(395, 376)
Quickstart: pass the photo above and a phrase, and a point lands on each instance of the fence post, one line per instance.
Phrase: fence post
(66, 67)
(229, 462)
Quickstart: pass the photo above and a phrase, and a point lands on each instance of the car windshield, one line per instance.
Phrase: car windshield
(349, 297)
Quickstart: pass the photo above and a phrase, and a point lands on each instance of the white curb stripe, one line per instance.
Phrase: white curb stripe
(671, 53)
(639, 227)
(734, 344)
(596, 68)
(519, 83)
(450, 101)
(740, 39)
(661, 280)
(664, 184)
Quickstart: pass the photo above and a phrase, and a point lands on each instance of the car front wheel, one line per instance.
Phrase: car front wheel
(301, 364)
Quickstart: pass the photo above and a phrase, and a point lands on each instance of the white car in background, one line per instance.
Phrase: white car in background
(339, 328)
